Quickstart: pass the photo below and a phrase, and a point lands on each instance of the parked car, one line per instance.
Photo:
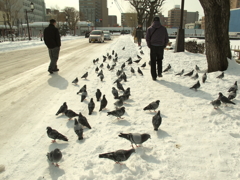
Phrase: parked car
(107, 35)
(96, 36)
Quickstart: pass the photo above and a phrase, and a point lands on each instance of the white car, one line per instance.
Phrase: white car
(96, 36)
(107, 35)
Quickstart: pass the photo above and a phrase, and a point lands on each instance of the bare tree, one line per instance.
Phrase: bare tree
(73, 18)
(217, 15)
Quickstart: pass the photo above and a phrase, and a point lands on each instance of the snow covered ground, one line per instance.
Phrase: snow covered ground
(194, 141)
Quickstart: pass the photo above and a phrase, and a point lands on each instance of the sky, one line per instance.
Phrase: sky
(190, 6)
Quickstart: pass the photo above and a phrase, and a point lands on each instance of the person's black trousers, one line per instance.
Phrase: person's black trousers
(156, 54)
(53, 54)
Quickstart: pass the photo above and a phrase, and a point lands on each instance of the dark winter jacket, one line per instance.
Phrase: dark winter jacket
(160, 36)
(52, 37)
(139, 32)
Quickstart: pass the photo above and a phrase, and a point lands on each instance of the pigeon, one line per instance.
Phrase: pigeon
(118, 113)
(124, 76)
(94, 61)
(216, 103)
(114, 92)
(116, 55)
(62, 109)
(139, 71)
(232, 94)
(204, 77)
(108, 66)
(101, 77)
(123, 48)
(112, 52)
(130, 62)
(196, 86)
(224, 99)
(132, 70)
(119, 103)
(101, 66)
(118, 80)
(127, 92)
(85, 75)
(111, 68)
(54, 134)
(189, 74)
(141, 52)
(75, 81)
(101, 72)
(139, 57)
(109, 57)
(195, 77)
(98, 94)
(84, 88)
(104, 59)
(156, 121)
(120, 86)
(180, 74)
(168, 68)
(124, 97)
(78, 129)
(220, 76)
(135, 138)
(119, 72)
(118, 156)
(84, 95)
(55, 156)
(96, 70)
(97, 59)
(91, 106)
(83, 121)
(144, 65)
(137, 61)
(123, 66)
(152, 106)
(197, 68)
(129, 59)
(234, 87)
(69, 113)
(103, 103)
(107, 54)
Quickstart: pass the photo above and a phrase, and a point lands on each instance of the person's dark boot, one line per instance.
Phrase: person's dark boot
(50, 71)
(160, 75)
(55, 70)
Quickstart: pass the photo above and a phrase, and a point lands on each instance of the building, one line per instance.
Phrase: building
(163, 20)
(94, 11)
(192, 17)
(112, 21)
(234, 25)
(174, 16)
(129, 19)
(234, 4)
(195, 25)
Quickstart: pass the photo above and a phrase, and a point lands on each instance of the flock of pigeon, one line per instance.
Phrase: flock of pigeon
(221, 99)
(135, 138)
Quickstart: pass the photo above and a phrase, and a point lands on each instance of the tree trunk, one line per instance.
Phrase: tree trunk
(217, 15)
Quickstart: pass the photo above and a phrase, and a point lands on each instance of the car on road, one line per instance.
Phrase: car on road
(107, 35)
(96, 36)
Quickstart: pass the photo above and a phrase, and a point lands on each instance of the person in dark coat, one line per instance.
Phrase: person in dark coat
(52, 40)
(139, 34)
(157, 40)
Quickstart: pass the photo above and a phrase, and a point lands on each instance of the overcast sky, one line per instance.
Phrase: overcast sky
(190, 5)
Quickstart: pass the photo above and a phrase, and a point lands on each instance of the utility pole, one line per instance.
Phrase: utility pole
(32, 8)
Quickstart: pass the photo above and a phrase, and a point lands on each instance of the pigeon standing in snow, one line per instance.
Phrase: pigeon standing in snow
(123, 48)
(84, 88)
(118, 113)
(85, 75)
(96, 70)
(232, 94)
(114, 92)
(156, 121)
(103, 103)
(197, 68)
(137, 61)
(189, 74)
(144, 65)
(55, 156)
(91, 106)
(139, 71)
(224, 99)
(216, 103)
(101, 65)
(220, 76)
(123, 66)
(132, 70)
(83, 121)
(98, 94)
(75, 81)
(101, 77)
(70, 114)
(78, 129)
(108, 66)
(127, 91)
(124, 77)
(112, 52)
(141, 52)
(118, 156)
(139, 57)
(119, 103)
(204, 77)
(233, 87)
(54, 134)
(84, 95)
(129, 59)
(62, 109)
(196, 86)
(180, 74)
(195, 77)
(120, 86)
(135, 138)
(152, 106)
(168, 68)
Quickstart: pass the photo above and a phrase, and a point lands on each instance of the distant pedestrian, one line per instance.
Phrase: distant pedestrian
(40, 35)
(139, 34)
(53, 42)
(157, 40)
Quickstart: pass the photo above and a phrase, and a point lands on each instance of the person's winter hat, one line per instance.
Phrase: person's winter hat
(156, 19)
